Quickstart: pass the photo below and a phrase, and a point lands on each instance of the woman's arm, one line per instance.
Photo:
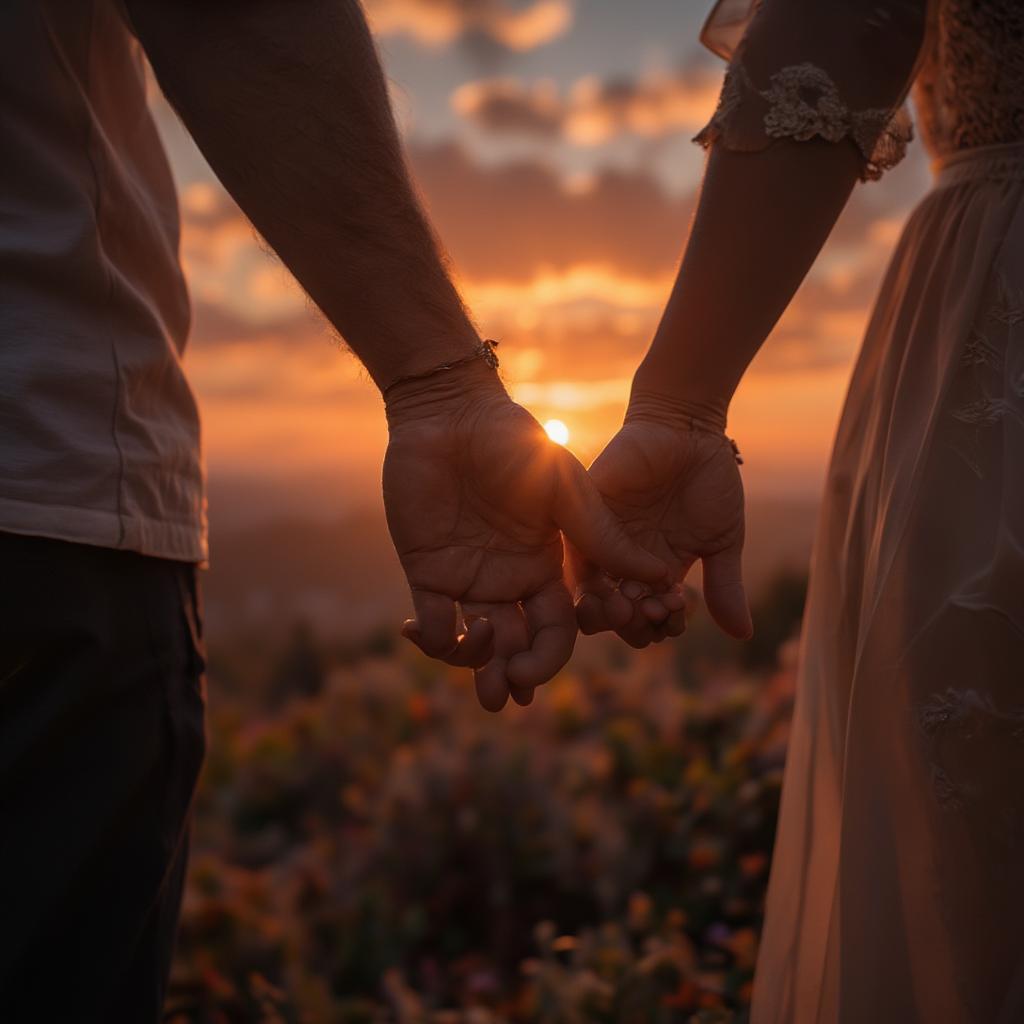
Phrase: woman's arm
(761, 221)
(807, 109)
(807, 101)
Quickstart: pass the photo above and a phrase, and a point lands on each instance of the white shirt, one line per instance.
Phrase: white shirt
(99, 432)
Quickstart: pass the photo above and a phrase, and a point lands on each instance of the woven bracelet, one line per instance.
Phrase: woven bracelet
(484, 351)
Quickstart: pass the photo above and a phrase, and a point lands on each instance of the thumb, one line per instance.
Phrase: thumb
(725, 594)
(588, 523)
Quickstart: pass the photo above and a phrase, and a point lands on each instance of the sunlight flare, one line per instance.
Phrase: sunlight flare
(557, 431)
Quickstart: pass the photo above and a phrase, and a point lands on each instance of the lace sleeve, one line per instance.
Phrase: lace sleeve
(777, 86)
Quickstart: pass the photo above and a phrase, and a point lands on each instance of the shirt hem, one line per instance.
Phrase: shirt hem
(179, 542)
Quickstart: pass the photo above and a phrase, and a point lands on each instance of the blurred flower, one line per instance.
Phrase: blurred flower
(380, 850)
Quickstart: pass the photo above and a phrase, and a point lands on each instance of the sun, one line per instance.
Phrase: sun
(557, 431)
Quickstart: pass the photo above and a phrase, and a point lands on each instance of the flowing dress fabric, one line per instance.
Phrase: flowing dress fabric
(896, 891)
(897, 886)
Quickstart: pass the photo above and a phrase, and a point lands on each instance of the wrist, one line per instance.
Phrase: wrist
(444, 391)
(649, 403)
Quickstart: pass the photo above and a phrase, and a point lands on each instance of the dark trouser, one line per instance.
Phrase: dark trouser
(101, 740)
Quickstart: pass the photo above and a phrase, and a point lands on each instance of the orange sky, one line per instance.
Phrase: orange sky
(562, 187)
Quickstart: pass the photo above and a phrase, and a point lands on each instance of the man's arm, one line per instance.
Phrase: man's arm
(288, 104)
(287, 101)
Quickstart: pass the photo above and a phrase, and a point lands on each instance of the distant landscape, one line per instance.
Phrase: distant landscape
(340, 576)
(370, 847)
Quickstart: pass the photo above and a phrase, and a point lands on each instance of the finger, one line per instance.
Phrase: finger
(580, 573)
(620, 604)
(511, 635)
(633, 590)
(591, 616)
(638, 637)
(491, 686)
(675, 624)
(552, 622)
(522, 695)
(681, 599)
(583, 517)
(433, 628)
(654, 610)
(659, 608)
(600, 606)
(638, 633)
(617, 610)
(475, 647)
(725, 594)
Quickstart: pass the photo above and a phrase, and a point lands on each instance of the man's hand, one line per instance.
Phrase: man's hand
(677, 491)
(476, 496)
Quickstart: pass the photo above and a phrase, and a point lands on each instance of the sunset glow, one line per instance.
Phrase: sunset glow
(563, 502)
(564, 227)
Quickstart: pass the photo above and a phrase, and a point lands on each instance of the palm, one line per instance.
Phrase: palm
(475, 501)
(678, 493)
(468, 506)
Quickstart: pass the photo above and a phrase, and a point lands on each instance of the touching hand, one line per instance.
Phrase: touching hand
(676, 488)
(476, 496)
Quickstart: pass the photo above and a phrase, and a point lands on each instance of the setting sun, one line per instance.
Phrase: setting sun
(557, 431)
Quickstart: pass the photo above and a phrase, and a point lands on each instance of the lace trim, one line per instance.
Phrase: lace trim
(802, 102)
(985, 399)
(972, 749)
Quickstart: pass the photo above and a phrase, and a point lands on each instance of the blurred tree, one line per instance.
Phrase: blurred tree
(381, 642)
(777, 617)
(777, 610)
(300, 671)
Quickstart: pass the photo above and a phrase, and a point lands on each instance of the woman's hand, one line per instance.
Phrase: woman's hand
(676, 488)
(477, 499)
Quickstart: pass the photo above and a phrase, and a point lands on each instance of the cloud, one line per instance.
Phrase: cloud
(573, 282)
(589, 325)
(218, 325)
(504, 225)
(226, 262)
(508, 105)
(438, 22)
(515, 221)
(655, 105)
(594, 110)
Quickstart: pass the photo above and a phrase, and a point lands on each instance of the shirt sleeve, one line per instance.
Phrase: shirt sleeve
(838, 70)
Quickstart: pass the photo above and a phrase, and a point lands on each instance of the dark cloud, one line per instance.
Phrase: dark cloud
(594, 110)
(215, 324)
(512, 221)
(512, 225)
(506, 105)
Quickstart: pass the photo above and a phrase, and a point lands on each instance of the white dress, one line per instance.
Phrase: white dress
(897, 885)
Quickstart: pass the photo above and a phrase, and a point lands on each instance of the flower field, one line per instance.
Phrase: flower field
(370, 846)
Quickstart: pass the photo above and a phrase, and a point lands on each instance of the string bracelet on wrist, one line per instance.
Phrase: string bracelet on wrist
(695, 423)
(484, 351)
